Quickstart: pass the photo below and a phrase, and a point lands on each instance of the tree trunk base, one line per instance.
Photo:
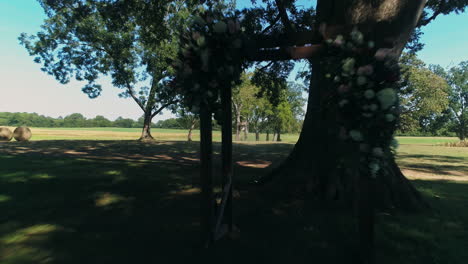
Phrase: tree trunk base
(146, 138)
(302, 177)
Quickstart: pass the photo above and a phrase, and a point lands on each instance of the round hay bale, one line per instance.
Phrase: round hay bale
(22, 133)
(5, 134)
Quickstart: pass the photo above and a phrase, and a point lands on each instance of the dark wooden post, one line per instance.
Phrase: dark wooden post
(206, 178)
(226, 149)
(366, 219)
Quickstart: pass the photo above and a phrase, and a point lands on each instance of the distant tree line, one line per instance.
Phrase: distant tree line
(72, 120)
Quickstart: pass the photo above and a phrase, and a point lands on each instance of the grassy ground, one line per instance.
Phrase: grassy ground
(111, 201)
(115, 133)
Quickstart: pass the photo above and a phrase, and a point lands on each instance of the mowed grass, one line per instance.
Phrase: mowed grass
(115, 133)
(120, 201)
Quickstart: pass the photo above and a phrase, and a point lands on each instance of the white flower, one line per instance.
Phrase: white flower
(371, 44)
(328, 75)
(378, 152)
(337, 79)
(339, 40)
(369, 94)
(374, 167)
(220, 27)
(365, 70)
(373, 107)
(348, 65)
(355, 135)
(343, 102)
(357, 36)
(389, 117)
(381, 54)
(361, 80)
(387, 97)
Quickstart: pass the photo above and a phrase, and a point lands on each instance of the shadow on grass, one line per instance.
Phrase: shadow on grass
(125, 202)
(439, 164)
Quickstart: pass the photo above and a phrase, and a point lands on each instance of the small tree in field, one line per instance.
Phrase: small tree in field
(133, 42)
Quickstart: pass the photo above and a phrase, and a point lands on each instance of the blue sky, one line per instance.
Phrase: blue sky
(25, 88)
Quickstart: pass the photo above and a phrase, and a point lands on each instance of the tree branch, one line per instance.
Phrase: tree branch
(289, 53)
(162, 108)
(284, 17)
(271, 25)
(437, 12)
(130, 92)
(300, 38)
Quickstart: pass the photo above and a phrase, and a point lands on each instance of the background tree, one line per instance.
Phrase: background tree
(130, 41)
(423, 96)
(188, 120)
(243, 101)
(457, 78)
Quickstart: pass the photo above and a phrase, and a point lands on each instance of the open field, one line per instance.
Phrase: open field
(115, 133)
(112, 201)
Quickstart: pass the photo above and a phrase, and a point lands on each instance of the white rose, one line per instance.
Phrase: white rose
(343, 102)
(357, 36)
(374, 167)
(361, 80)
(355, 135)
(387, 97)
(389, 117)
(369, 94)
(348, 65)
(378, 152)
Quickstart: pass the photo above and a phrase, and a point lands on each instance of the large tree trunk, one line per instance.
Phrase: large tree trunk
(257, 135)
(311, 168)
(267, 136)
(146, 131)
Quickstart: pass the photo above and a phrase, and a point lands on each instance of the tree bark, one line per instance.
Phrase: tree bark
(311, 167)
(257, 136)
(278, 135)
(267, 137)
(146, 131)
(238, 120)
(246, 130)
(192, 126)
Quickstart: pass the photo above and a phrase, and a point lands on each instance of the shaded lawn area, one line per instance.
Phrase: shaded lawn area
(127, 202)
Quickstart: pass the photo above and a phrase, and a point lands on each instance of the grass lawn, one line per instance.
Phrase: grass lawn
(113, 201)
